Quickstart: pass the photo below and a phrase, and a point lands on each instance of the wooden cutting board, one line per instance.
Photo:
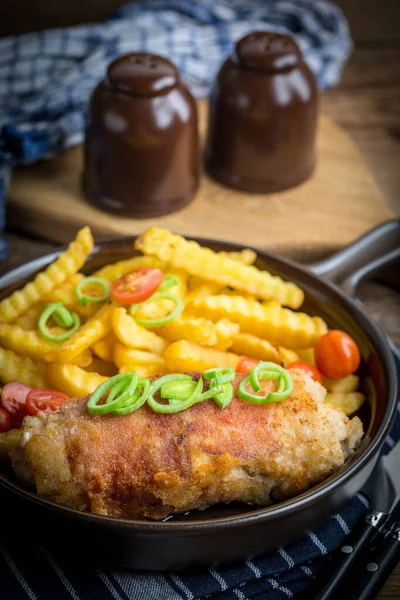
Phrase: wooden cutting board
(339, 203)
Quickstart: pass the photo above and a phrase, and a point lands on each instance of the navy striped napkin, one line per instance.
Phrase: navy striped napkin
(29, 570)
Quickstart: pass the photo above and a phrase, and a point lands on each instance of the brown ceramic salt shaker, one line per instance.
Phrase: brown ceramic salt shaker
(141, 139)
(263, 116)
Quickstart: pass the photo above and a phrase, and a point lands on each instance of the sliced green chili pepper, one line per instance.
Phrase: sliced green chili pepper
(177, 405)
(61, 316)
(220, 374)
(120, 387)
(176, 312)
(270, 371)
(84, 298)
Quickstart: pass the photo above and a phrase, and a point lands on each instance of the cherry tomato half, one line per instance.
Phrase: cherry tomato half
(43, 400)
(336, 354)
(13, 399)
(309, 369)
(247, 364)
(5, 420)
(137, 286)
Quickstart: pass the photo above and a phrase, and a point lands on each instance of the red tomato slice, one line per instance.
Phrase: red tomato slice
(5, 420)
(42, 400)
(309, 369)
(137, 286)
(13, 399)
(246, 365)
(336, 354)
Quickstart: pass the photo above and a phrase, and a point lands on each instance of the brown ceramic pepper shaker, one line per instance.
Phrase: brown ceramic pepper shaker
(263, 116)
(141, 139)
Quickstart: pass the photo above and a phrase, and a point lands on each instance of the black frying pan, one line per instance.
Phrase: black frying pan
(234, 532)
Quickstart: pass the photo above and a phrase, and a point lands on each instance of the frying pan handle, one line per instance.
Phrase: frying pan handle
(375, 249)
(350, 284)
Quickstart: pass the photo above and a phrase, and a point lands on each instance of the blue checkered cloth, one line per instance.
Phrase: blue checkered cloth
(30, 570)
(46, 77)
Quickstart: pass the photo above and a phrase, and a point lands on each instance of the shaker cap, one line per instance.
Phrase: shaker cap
(267, 52)
(142, 74)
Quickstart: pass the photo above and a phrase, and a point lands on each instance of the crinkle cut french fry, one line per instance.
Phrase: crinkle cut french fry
(32, 343)
(287, 356)
(25, 343)
(345, 384)
(200, 287)
(194, 259)
(349, 402)
(294, 330)
(56, 273)
(200, 331)
(29, 320)
(104, 348)
(196, 330)
(132, 335)
(247, 256)
(129, 356)
(230, 292)
(184, 356)
(111, 272)
(225, 331)
(142, 370)
(22, 369)
(72, 380)
(255, 347)
(267, 320)
(93, 330)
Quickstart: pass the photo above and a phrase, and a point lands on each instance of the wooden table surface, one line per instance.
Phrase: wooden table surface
(367, 104)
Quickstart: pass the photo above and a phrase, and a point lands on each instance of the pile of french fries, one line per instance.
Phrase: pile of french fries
(231, 309)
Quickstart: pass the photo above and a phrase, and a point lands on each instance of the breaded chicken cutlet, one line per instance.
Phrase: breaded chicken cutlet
(152, 465)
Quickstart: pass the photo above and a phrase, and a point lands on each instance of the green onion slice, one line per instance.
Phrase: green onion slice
(121, 388)
(178, 402)
(62, 317)
(221, 394)
(169, 281)
(210, 393)
(220, 374)
(266, 370)
(222, 398)
(136, 400)
(84, 298)
(177, 389)
(163, 321)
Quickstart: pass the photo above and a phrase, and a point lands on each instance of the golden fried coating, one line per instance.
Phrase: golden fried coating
(151, 465)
